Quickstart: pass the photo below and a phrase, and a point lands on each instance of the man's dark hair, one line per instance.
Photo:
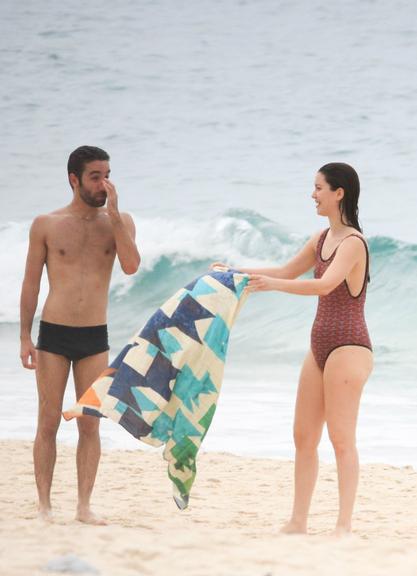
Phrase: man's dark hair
(82, 156)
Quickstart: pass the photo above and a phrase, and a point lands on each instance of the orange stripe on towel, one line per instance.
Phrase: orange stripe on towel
(90, 398)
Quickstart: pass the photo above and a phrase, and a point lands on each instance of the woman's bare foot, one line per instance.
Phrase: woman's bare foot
(86, 516)
(293, 527)
(45, 514)
(342, 531)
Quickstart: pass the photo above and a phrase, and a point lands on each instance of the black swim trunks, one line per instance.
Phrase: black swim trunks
(73, 342)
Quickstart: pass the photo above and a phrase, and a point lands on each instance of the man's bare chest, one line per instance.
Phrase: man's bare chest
(73, 240)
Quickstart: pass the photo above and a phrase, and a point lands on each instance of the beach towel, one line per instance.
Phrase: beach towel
(164, 385)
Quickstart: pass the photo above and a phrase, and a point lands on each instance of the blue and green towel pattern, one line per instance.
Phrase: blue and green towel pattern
(163, 386)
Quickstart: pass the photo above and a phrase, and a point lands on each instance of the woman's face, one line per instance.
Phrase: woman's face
(327, 200)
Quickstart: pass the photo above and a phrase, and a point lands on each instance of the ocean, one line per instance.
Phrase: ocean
(217, 116)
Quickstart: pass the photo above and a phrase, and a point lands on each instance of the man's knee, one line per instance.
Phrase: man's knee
(88, 426)
(48, 424)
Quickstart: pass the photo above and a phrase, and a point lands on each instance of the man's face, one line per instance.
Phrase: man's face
(91, 187)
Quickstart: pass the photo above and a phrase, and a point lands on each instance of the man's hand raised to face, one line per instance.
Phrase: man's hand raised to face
(112, 206)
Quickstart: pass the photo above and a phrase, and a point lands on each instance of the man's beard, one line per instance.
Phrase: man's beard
(94, 201)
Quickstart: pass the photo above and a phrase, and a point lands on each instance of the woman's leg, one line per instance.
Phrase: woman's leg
(308, 426)
(345, 374)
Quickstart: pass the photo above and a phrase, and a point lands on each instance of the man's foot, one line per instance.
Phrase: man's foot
(86, 516)
(293, 527)
(45, 514)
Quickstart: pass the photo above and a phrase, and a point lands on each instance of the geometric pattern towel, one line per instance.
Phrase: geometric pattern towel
(164, 385)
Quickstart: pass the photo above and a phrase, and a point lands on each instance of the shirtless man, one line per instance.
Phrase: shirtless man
(78, 245)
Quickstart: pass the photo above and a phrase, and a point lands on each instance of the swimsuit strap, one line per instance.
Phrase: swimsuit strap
(366, 276)
(323, 238)
(321, 241)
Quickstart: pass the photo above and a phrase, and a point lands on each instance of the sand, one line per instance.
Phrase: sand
(231, 527)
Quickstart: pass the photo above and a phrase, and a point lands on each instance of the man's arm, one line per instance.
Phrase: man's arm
(124, 232)
(36, 258)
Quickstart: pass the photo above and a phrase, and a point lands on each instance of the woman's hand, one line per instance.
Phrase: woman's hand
(259, 282)
(219, 265)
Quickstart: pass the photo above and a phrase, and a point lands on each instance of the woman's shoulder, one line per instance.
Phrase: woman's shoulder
(353, 233)
(355, 241)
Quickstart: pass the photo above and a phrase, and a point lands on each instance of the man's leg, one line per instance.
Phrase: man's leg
(51, 375)
(88, 451)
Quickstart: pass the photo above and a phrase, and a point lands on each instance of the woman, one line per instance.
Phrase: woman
(340, 360)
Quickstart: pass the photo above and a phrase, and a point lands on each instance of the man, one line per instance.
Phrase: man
(78, 245)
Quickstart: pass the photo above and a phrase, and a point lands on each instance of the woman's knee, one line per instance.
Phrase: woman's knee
(306, 440)
(342, 444)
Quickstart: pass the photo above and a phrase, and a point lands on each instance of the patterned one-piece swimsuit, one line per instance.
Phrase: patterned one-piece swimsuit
(340, 319)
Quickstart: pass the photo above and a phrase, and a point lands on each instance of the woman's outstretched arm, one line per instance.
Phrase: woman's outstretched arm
(301, 263)
(347, 256)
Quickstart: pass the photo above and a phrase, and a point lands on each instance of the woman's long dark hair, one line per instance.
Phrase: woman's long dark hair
(340, 175)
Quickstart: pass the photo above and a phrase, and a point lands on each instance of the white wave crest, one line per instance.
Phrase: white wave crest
(238, 238)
